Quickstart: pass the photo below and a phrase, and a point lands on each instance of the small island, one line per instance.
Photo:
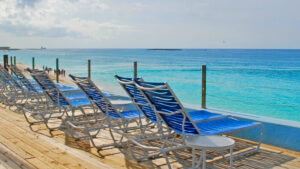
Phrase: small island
(163, 49)
(7, 48)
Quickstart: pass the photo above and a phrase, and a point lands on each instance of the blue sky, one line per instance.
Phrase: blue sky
(150, 23)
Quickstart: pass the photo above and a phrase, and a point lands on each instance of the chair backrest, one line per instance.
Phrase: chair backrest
(4, 80)
(2, 76)
(48, 86)
(20, 76)
(168, 107)
(137, 97)
(9, 79)
(96, 96)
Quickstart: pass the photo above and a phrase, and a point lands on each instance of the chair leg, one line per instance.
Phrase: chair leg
(204, 159)
(231, 158)
(30, 122)
(253, 150)
(166, 157)
(194, 158)
(261, 137)
(113, 137)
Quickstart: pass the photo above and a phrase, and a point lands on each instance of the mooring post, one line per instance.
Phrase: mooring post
(15, 59)
(57, 70)
(33, 63)
(5, 62)
(11, 63)
(135, 69)
(203, 104)
(89, 69)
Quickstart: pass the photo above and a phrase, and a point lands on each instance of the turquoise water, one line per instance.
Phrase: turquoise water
(259, 82)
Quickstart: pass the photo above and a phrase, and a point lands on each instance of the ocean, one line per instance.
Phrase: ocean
(262, 82)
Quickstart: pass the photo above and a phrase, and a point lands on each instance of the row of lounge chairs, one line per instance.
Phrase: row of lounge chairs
(86, 111)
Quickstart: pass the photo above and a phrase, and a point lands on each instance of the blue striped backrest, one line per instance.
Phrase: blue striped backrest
(95, 95)
(23, 79)
(48, 87)
(163, 101)
(9, 79)
(137, 97)
(2, 76)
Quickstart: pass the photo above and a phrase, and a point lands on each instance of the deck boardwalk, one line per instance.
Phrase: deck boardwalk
(21, 147)
(37, 150)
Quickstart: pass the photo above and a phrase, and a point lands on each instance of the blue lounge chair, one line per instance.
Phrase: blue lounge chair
(13, 93)
(139, 99)
(31, 85)
(174, 115)
(33, 90)
(152, 133)
(35, 102)
(142, 104)
(115, 119)
(59, 101)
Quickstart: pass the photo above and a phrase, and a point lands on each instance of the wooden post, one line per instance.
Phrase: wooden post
(203, 104)
(5, 62)
(89, 69)
(57, 70)
(11, 63)
(135, 69)
(15, 60)
(33, 63)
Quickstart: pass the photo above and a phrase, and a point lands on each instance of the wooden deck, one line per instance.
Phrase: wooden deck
(20, 147)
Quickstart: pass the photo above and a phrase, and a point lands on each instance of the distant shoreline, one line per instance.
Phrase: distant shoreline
(158, 49)
(7, 48)
(163, 49)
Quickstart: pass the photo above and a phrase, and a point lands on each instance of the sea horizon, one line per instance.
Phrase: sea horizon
(146, 48)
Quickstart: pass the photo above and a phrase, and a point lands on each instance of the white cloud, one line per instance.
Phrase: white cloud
(48, 18)
(92, 29)
(155, 23)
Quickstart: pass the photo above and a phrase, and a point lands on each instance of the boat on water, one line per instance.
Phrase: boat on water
(42, 48)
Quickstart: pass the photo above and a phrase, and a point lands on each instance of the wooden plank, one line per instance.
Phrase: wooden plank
(3, 165)
(65, 159)
(39, 155)
(278, 167)
(289, 166)
(14, 157)
(6, 160)
(82, 155)
(39, 163)
(273, 148)
(295, 163)
(15, 148)
(32, 145)
(48, 152)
